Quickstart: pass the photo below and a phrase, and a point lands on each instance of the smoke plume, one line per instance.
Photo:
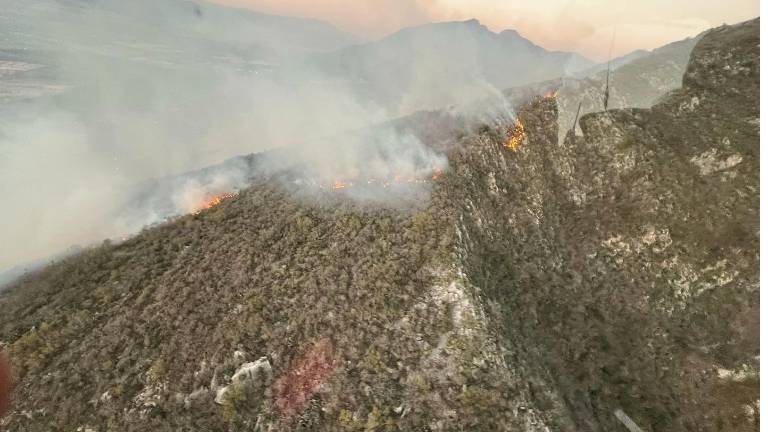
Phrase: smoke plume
(144, 92)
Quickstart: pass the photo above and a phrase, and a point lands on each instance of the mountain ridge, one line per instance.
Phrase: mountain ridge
(421, 60)
(665, 64)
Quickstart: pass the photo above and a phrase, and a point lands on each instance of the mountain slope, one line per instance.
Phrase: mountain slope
(443, 64)
(637, 85)
(540, 287)
(636, 81)
(647, 285)
(676, 53)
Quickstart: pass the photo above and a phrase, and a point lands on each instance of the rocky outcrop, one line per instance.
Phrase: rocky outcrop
(631, 267)
(637, 83)
(595, 283)
(247, 375)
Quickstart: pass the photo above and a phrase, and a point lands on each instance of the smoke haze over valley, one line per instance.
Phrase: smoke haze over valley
(100, 97)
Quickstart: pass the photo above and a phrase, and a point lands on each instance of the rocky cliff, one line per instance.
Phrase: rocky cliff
(607, 281)
(637, 80)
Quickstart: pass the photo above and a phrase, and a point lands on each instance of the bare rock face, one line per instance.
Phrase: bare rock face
(247, 375)
(605, 282)
(656, 261)
(635, 84)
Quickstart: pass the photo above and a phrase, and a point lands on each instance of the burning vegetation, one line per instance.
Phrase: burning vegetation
(214, 201)
(517, 135)
(340, 184)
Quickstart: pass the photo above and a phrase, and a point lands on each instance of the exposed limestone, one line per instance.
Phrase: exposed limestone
(709, 162)
(247, 374)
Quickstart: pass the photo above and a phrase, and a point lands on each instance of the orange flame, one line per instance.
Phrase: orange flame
(517, 136)
(214, 201)
(339, 184)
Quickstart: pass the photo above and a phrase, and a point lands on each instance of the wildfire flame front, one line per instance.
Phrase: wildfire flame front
(214, 201)
(517, 136)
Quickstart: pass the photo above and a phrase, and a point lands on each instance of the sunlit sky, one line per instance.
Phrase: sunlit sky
(584, 26)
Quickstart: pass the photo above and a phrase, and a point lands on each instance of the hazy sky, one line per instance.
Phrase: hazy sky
(585, 26)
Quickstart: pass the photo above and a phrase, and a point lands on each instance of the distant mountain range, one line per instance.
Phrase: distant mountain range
(416, 68)
(442, 64)
(424, 67)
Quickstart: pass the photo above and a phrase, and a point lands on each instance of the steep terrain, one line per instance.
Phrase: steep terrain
(603, 281)
(637, 80)
(646, 77)
(636, 84)
(641, 269)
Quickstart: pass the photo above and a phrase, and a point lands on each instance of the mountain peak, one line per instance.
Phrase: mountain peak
(500, 59)
(510, 33)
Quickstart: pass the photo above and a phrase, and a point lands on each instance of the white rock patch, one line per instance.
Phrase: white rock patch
(248, 373)
(708, 162)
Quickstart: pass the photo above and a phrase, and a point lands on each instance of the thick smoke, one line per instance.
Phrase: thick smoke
(146, 100)
(56, 192)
